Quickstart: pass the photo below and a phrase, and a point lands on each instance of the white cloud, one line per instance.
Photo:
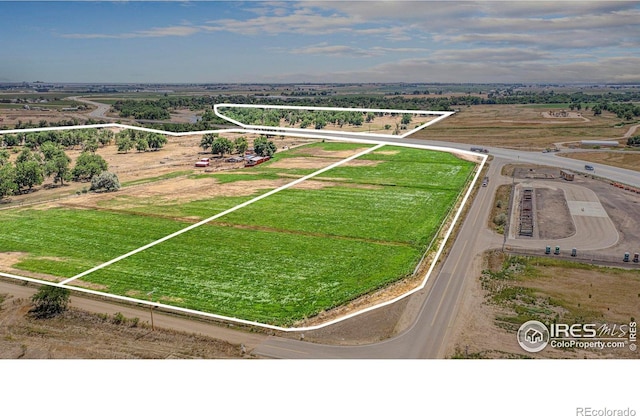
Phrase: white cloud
(610, 70)
(484, 41)
(156, 32)
(347, 51)
(332, 50)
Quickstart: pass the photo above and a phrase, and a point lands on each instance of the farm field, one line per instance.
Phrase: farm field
(284, 258)
(523, 127)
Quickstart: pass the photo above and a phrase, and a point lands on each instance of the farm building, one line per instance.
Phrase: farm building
(256, 160)
(566, 175)
(601, 143)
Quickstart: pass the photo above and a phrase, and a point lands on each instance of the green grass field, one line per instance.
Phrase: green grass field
(277, 261)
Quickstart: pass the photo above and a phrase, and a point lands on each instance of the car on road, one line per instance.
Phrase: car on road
(589, 167)
(479, 149)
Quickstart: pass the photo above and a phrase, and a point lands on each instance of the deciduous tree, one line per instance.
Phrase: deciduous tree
(28, 174)
(124, 143)
(156, 141)
(207, 140)
(221, 146)
(241, 145)
(264, 147)
(7, 180)
(87, 166)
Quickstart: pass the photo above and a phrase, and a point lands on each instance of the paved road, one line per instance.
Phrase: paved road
(101, 110)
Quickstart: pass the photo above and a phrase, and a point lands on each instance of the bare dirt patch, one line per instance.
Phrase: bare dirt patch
(590, 295)
(171, 191)
(325, 183)
(89, 285)
(467, 157)
(363, 162)
(552, 213)
(9, 258)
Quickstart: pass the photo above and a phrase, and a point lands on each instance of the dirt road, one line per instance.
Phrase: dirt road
(160, 319)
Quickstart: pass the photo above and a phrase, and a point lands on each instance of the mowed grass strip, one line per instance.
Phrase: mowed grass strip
(78, 239)
(270, 277)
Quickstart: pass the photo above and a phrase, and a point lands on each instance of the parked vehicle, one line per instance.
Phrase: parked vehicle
(479, 149)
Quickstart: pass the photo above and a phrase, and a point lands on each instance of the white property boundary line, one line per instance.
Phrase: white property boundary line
(441, 115)
(263, 130)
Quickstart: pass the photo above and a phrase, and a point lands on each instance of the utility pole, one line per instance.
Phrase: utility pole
(151, 308)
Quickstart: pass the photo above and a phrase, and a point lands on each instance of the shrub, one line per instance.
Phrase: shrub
(106, 181)
(500, 219)
(118, 318)
(49, 301)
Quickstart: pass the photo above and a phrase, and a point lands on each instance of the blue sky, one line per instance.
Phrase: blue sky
(309, 41)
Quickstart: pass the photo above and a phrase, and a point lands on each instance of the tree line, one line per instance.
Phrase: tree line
(67, 138)
(32, 166)
(45, 123)
(42, 155)
(622, 104)
(142, 141)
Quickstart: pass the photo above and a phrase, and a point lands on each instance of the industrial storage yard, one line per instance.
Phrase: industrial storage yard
(590, 222)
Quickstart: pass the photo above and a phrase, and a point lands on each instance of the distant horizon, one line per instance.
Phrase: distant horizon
(317, 42)
(322, 83)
